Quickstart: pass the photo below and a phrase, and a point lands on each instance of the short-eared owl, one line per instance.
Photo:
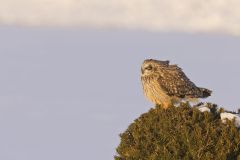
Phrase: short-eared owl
(165, 84)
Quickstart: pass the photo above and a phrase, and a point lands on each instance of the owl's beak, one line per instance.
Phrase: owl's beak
(142, 71)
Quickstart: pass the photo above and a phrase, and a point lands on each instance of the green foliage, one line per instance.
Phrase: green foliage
(180, 133)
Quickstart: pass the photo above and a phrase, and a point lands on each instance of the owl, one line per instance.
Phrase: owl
(166, 84)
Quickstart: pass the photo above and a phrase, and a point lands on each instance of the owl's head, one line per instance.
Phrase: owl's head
(150, 66)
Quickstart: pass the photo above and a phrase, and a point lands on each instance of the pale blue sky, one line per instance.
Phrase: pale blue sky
(68, 93)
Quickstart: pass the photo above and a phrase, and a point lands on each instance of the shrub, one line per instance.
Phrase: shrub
(180, 133)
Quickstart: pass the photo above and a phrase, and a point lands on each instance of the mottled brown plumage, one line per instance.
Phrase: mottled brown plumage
(165, 84)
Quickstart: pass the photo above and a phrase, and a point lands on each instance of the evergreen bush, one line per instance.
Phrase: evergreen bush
(180, 133)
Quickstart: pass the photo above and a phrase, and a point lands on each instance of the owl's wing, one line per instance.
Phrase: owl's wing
(176, 83)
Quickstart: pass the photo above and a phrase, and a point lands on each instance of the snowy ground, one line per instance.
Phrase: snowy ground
(68, 93)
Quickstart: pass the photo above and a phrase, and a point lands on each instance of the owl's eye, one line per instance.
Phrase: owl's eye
(149, 67)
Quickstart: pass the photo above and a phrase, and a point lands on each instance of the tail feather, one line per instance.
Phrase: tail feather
(205, 92)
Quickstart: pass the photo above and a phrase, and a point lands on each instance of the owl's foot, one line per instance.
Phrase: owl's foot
(166, 105)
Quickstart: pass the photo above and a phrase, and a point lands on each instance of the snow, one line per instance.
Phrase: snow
(231, 116)
(224, 116)
(203, 109)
